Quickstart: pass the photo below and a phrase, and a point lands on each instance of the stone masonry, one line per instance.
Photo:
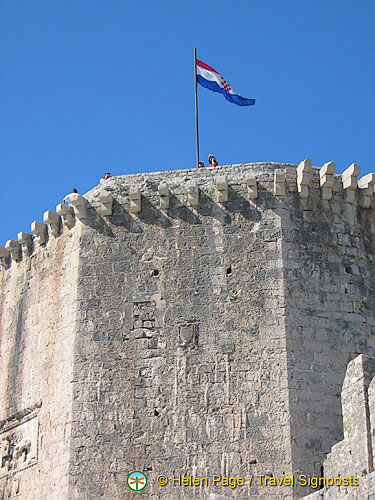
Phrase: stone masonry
(192, 323)
(354, 455)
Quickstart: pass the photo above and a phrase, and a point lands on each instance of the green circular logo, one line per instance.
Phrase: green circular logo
(137, 480)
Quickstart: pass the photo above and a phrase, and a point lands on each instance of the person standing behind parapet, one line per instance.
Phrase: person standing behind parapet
(66, 200)
(212, 161)
(106, 176)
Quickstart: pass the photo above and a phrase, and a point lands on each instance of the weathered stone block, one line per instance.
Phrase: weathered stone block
(303, 178)
(193, 193)
(279, 183)
(222, 188)
(40, 231)
(14, 249)
(135, 200)
(252, 188)
(4, 256)
(80, 205)
(66, 212)
(106, 203)
(327, 179)
(164, 195)
(349, 182)
(26, 241)
(366, 189)
(53, 221)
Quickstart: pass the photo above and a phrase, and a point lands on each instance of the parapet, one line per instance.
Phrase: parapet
(263, 185)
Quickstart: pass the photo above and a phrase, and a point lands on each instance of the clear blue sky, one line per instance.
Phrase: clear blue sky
(91, 86)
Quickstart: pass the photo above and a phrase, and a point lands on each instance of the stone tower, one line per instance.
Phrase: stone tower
(186, 323)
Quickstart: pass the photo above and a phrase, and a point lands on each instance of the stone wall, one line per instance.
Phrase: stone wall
(38, 309)
(328, 248)
(181, 355)
(187, 322)
(353, 457)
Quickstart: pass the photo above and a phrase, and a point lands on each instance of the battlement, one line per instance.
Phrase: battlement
(262, 185)
(188, 322)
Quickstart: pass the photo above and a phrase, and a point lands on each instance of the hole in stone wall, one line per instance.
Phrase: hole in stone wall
(229, 270)
(155, 272)
(156, 413)
(348, 269)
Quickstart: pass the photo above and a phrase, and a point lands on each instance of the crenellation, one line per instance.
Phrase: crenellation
(193, 193)
(349, 182)
(106, 203)
(279, 188)
(80, 205)
(38, 304)
(52, 219)
(26, 242)
(14, 249)
(39, 230)
(66, 212)
(304, 173)
(366, 185)
(135, 199)
(222, 188)
(164, 194)
(303, 178)
(327, 179)
(221, 330)
(252, 187)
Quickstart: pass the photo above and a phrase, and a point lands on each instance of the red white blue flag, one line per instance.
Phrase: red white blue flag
(210, 79)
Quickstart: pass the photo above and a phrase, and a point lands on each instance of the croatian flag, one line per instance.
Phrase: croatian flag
(208, 77)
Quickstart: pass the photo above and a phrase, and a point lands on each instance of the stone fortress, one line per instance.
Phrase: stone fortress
(202, 322)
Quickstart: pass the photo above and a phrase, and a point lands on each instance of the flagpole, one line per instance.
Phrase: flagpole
(196, 104)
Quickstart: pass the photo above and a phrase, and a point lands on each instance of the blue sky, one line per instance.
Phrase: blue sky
(94, 86)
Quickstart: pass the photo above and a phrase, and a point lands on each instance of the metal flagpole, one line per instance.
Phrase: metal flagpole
(196, 103)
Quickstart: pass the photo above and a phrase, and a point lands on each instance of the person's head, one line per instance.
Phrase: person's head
(107, 175)
(200, 164)
(74, 190)
(211, 159)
